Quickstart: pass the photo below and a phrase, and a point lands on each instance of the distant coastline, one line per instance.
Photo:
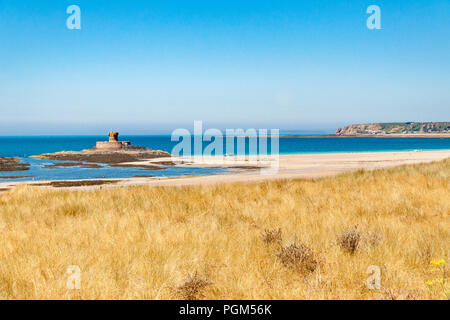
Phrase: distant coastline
(387, 130)
(399, 129)
(393, 135)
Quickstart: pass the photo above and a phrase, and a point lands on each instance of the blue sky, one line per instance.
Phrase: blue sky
(152, 66)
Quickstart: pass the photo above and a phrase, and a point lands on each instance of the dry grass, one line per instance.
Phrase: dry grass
(143, 242)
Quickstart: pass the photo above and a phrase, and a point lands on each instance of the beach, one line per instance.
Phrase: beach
(291, 166)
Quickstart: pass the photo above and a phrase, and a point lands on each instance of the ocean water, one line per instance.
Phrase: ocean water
(23, 147)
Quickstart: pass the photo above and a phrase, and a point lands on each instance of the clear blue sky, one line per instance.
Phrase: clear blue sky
(151, 66)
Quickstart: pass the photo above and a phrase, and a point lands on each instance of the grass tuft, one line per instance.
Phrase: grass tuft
(272, 236)
(349, 240)
(192, 288)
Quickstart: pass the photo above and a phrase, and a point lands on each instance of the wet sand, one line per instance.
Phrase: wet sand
(76, 183)
(72, 164)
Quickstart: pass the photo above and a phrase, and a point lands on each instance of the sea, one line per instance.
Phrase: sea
(23, 147)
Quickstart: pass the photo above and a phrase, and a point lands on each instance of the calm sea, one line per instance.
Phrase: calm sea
(23, 147)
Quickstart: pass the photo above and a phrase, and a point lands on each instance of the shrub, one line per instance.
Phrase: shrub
(298, 256)
(192, 288)
(349, 240)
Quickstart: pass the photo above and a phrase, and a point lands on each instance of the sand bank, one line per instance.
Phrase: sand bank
(291, 166)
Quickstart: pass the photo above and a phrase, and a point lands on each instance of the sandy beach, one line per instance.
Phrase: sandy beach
(292, 166)
(295, 166)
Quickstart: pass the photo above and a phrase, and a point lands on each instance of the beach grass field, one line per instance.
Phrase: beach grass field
(278, 239)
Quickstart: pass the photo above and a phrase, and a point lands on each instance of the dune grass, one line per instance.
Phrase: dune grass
(290, 239)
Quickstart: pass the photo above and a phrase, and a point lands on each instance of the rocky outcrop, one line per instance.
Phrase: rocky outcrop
(106, 157)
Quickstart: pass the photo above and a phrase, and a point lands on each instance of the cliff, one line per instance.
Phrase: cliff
(395, 128)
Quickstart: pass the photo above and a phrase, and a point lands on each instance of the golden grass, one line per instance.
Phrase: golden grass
(224, 242)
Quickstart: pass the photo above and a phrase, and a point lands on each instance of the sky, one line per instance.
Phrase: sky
(144, 67)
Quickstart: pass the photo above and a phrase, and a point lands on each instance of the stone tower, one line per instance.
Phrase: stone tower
(113, 144)
(113, 136)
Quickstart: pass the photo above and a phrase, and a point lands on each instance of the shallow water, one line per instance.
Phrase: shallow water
(38, 172)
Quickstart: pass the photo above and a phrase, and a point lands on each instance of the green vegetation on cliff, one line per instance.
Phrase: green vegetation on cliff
(396, 128)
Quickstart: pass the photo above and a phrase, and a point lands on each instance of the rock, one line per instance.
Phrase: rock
(13, 164)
